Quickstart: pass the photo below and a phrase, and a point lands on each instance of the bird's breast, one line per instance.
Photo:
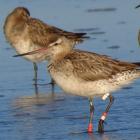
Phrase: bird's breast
(73, 85)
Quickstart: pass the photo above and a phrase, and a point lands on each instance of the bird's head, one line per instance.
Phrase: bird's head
(21, 11)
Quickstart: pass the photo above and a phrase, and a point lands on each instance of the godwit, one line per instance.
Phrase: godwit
(88, 74)
(26, 34)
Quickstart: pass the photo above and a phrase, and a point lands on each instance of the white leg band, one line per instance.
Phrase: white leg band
(103, 118)
(105, 96)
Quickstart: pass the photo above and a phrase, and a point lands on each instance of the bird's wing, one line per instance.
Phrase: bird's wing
(43, 34)
(39, 34)
(91, 66)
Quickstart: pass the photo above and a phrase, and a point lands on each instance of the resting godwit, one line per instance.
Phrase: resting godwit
(26, 34)
(88, 74)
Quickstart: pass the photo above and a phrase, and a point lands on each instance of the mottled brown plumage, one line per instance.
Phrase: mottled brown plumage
(91, 66)
(89, 74)
(87, 66)
(27, 34)
(20, 26)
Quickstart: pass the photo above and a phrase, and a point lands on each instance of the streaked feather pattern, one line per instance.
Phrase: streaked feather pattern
(91, 66)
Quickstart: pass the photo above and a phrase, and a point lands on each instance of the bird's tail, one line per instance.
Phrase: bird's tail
(82, 35)
(137, 63)
(76, 37)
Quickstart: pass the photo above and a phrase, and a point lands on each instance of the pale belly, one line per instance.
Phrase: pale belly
(75, 86)
(24, 47)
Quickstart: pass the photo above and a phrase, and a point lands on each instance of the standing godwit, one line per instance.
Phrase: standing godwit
(88, 74)
(26, 34)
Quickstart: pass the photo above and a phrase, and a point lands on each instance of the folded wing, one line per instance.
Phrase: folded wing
(91, 66)
(43, 34)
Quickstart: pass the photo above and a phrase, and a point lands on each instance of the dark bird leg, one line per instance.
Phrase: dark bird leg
(36, 89)
(104, 115)
(52, 85)
(35, 73)
(90, 126)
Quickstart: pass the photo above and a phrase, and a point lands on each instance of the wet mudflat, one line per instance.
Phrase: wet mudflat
(113, 27)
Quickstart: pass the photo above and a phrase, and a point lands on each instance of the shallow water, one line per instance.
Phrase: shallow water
(113, 27)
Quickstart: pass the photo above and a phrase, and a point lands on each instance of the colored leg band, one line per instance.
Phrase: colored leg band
(103, 117)
(105, 96)
(90, 128)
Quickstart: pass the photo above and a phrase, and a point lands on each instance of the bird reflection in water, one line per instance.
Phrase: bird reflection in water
(38, 99)
(96, 136)
(36, 87)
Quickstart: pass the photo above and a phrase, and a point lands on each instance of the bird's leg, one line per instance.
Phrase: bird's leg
(35, 73)
(104, 115)
(36, 89)
(90, 126)
(52, 84)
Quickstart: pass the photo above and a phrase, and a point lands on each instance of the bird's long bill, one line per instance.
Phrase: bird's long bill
(137, 6)
(31, 53)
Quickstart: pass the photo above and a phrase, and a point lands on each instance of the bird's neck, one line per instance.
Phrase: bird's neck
(58, 57)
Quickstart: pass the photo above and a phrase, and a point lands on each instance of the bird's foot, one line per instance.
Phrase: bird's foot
(101, 126)
(51, 83)
(90, 128)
